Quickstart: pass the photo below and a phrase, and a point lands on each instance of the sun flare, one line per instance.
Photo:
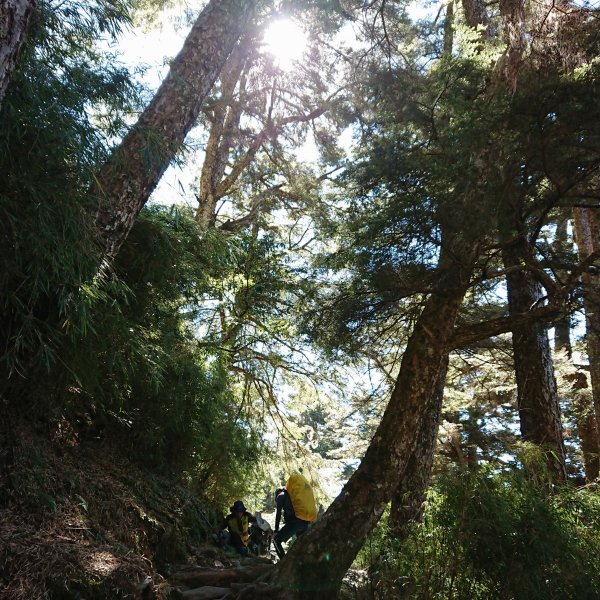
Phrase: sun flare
(285, 41)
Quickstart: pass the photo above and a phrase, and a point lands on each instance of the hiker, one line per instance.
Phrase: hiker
(297, 503)
(238, 524)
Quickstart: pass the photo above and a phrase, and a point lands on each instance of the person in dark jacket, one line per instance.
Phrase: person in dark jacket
(238, 525)
(293, 525)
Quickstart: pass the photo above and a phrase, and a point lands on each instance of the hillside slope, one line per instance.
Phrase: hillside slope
(81, 520)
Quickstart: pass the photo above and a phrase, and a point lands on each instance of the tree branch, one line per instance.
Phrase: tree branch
(469, 334)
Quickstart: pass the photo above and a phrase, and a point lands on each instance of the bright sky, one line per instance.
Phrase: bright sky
(286, 41)
(152, 49)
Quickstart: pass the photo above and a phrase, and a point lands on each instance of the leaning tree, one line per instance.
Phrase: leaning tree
(475, 124)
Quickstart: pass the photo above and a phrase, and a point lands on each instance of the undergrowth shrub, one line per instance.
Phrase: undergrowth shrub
(148, 375)
(65, 101)
(126, 354)
(492, 535)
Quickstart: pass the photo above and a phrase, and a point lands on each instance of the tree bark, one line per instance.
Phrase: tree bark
(587, 236)
(562, 252)
(449, 28)
(537, 397)
(15, 16)
(319, 559)
(125, 183)
(467, 335)
(513, 19)
(225, 120)
(585, 420)
(407, 501)
(200, 576)
(475, 12)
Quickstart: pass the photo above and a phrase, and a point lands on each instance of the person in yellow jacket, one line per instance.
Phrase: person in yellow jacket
(238, 525)
(297, 503)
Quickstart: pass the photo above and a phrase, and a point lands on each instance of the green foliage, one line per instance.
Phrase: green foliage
(487, 535)
(407, 184)
(108, 355)
(64, 102)
(179, 353)
(143, 372)
(429, 137)
(91, 356)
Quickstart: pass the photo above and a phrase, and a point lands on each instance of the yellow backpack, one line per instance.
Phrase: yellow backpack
(302, 497)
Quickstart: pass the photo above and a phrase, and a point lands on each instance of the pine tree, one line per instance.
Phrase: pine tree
(453, 174)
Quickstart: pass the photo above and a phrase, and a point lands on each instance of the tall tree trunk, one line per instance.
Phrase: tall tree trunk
(583, 408)
(317, 562)
(476, 15)
(537, 398)
(225, 120)
(407, 501)
(585, 420)
(587, 236)
(125, 183)
(587, 428)
(562, 250)
(15, 16)
(449, 28)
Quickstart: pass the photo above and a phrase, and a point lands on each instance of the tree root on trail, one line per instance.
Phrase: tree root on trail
(200, 576)
(207, 592)
(248, 591)
(234, 583)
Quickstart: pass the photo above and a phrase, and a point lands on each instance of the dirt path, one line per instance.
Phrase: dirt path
(224, 579)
